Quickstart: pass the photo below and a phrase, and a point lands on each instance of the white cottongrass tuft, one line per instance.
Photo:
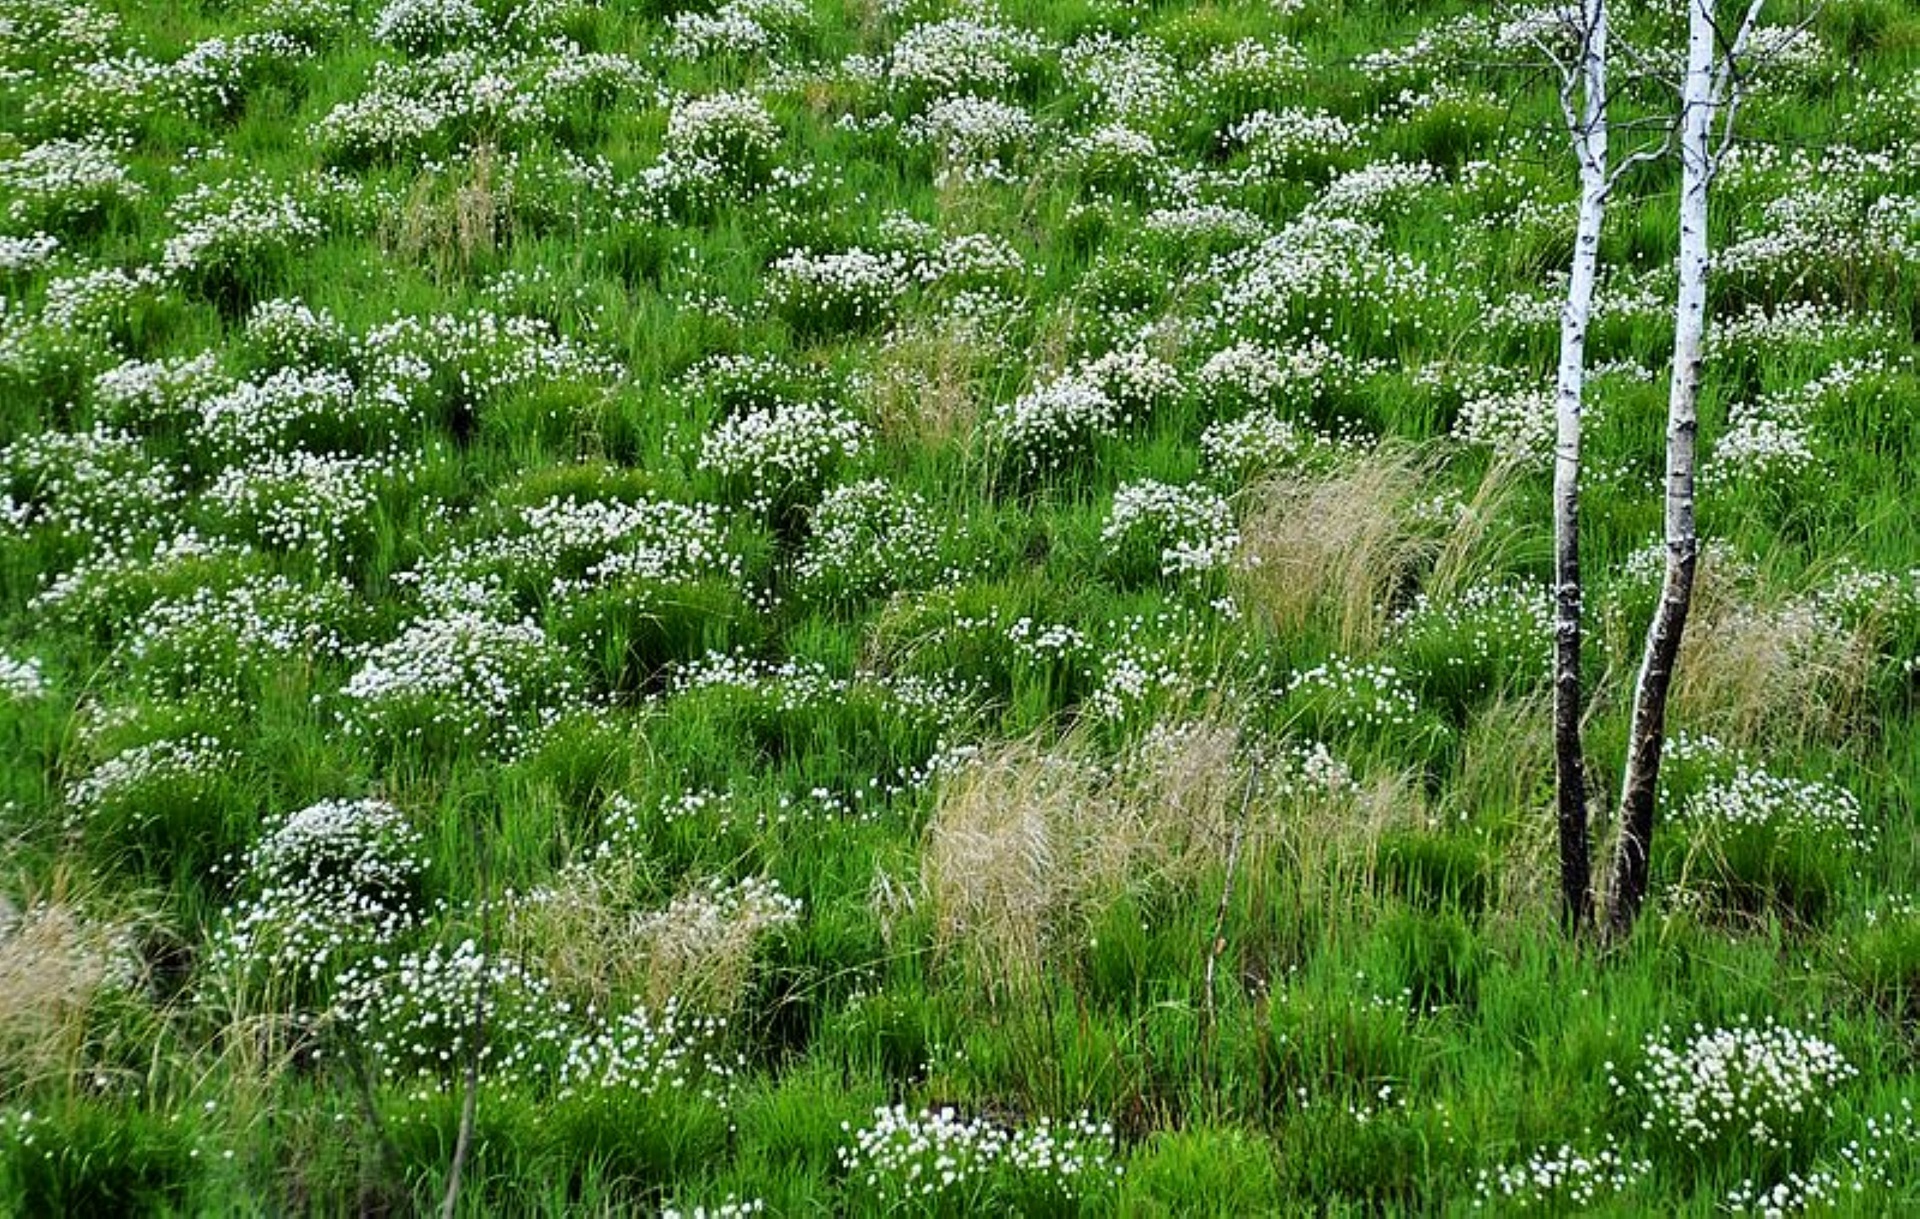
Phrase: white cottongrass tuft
(1764, 1084)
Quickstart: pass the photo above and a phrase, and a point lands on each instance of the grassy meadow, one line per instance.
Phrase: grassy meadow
(894, 607)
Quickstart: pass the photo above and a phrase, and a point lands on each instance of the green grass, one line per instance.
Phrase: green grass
(784, 778)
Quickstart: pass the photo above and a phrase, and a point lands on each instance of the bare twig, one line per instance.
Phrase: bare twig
(1218, 944)
(470, 1100)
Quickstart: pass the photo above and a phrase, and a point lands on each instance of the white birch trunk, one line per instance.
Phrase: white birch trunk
(1588, 129)
(1701, 93)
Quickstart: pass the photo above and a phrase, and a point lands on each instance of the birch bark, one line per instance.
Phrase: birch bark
(1587, 126)
(1655, 681)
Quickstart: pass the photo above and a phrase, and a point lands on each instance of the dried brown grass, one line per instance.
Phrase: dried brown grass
(597, 944)
(58, 967)
(1772, 670)
(1762, 664)
(1331, 549)
(925, 389)
(450, 223)
(1034, 840)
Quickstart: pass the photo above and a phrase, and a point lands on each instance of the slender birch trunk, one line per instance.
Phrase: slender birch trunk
(1588, 129)
(1702, 91)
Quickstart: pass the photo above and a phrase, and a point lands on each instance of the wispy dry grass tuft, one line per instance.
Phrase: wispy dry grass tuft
(925, 389)
(598, 944)
(1033, 841)
(997, 866)
(1332, 549)
(58, 966)
(1772, 670)
(450, 223)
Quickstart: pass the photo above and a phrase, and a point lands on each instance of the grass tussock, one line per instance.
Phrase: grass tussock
(1763, 668)
(61, 967)
(597, 938)
(1331, 551)
(1034, 842)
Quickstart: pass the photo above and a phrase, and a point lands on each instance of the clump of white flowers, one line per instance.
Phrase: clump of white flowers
(315, 409)
(644, 1052)
(848, 290)
(1867, 1168)
(421, 26)
(1115, 155)
(1771, 436)
(1042, 431)
(1764, 1084)
(975, 138)
(1302, 770)
(1490, 630)
(218, 638)
(325, 881)
(1560, 1179)
(732, 1208)
(567, 548)
(173, 766)
(100, 486)
(1514, 423)
(1190, 529)
(1258, 442)
(1352, 694)
(21, 680)
(1249, 68)
(937, 1157)
(786, 448)
(147, 393)
(1325, 276)
(1376, 186)
(944, 57)
(424, 105)
(1250, 375)
(462, 673)
(292, 333)
(1282, 144)
(99, 300)
(237, 229)
(478, 355)
(738, 28)
(865, 538)
(60, 182)
(1136, 380)
(731, 134)
(1753, 798)
(25, 255)
(424, 1015)
(300, 502)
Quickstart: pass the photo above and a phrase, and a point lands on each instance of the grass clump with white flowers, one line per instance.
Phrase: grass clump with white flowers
(931, 608)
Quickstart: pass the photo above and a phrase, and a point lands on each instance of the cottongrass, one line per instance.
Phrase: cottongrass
(1189, 530)
(1560, 1179)
(462, 673)
(1763, 1085)
(938, 1157)
(866, 538)
(21, 679)
(326, 881)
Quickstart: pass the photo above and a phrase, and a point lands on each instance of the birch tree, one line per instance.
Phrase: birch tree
(1710, 94)
(1585, 104)
(1583, 100)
